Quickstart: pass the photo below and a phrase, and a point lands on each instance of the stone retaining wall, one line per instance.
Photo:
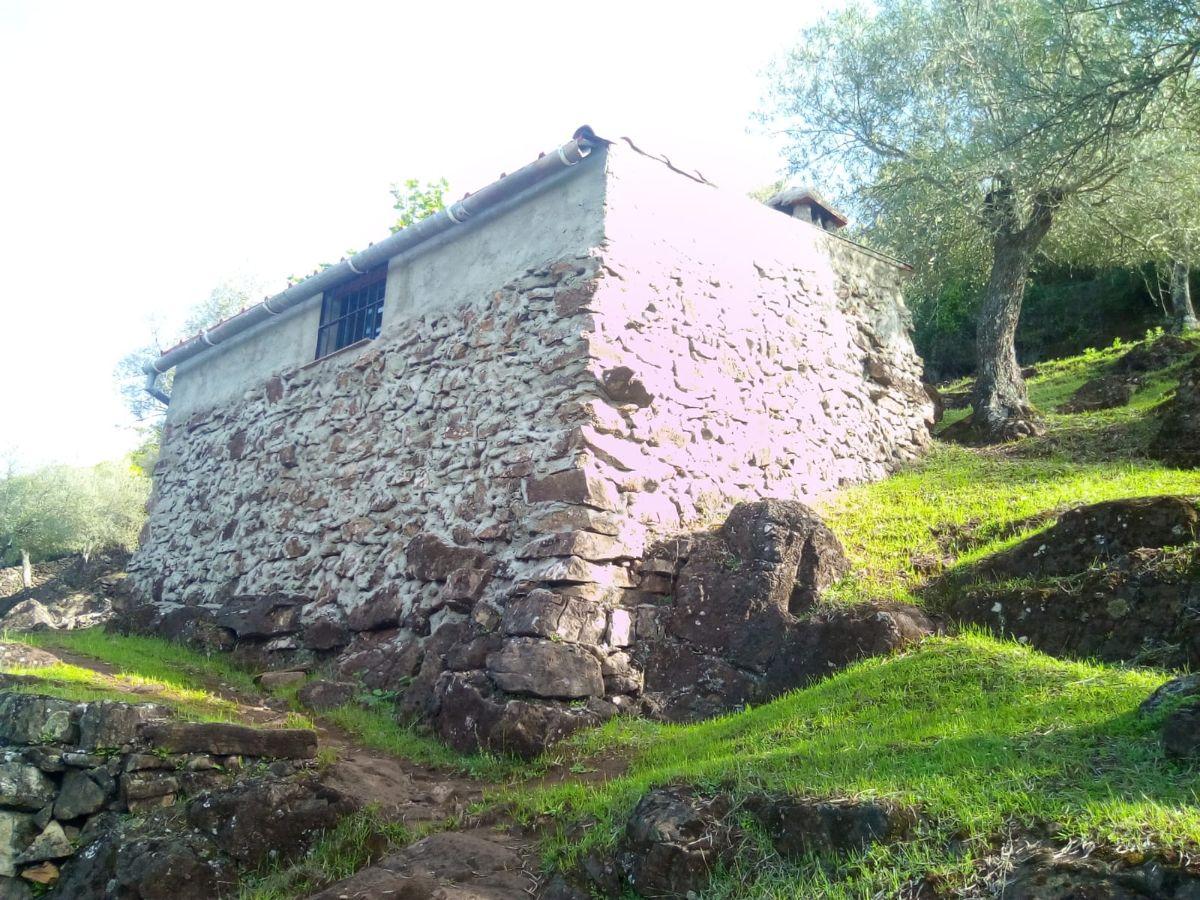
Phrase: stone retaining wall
(66, 768)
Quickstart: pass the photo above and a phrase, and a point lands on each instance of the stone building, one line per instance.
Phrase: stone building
(453, 452)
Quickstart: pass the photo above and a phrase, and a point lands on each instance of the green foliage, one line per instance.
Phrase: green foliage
(225, 300)
(1065, 311)
(959, 130)
(976, 733)
(58, 510)
(415, 201)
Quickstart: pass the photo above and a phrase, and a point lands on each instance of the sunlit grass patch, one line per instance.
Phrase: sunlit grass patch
(76, 683)
(976, 733)
(149, 657)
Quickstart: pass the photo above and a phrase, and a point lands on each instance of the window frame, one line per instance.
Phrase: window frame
(361, 323)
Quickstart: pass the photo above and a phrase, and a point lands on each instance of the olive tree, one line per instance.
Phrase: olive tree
(965, 128)
(57, 510)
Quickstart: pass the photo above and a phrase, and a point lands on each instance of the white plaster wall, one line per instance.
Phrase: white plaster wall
(558, 218)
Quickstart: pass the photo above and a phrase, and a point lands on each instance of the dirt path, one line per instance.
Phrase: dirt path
(473, 860)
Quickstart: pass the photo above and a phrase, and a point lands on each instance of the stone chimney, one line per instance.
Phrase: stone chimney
(808, 206)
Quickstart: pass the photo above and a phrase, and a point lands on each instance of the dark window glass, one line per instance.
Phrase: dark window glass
(351, 312)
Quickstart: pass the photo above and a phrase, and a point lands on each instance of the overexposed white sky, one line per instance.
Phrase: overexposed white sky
(149, 151)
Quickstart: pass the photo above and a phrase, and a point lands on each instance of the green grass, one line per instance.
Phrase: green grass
(76, 683)
(179, 676)
(976, 733)
(147, 670)
(148, 657)
(959, 504)
(379, 729)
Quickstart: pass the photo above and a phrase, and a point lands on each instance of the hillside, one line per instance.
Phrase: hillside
(971, 764)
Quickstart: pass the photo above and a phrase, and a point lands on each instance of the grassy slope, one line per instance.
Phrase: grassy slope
(147, 670)
(978, 733)
(964, 504)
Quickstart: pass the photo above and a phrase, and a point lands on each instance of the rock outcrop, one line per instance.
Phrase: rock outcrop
(451, 865)
(1114, 581)
(1102, 392)
(67, 593)
(1177, 442)
(676, 837)
(741, 622)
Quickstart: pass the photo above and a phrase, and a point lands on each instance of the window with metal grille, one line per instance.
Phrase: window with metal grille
(351, 312)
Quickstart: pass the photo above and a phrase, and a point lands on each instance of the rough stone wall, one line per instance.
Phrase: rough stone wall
(359, 488)
(480, 508)
(777, 356)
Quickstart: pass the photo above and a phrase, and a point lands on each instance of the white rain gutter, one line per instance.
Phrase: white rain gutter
(451, 216)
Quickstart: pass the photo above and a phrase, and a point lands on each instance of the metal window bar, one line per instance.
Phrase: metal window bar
(351, 313)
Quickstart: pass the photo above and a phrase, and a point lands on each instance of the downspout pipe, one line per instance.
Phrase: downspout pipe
(569, 154)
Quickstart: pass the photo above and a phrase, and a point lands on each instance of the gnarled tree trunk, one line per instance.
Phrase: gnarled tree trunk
(1183, 315)
(1002, 411)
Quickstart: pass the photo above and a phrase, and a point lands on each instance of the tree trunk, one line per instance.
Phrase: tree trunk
(1001, 404)
(26, 570)
(1183, 315)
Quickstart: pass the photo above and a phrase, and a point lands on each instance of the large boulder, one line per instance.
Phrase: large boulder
(674, 839)
(1177, 442)
(255, 820)
(471, 713)
(1150, 356)
(1102, 392)
(744, 621)
(740, 588)
(450, 864)
(1097, 533)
